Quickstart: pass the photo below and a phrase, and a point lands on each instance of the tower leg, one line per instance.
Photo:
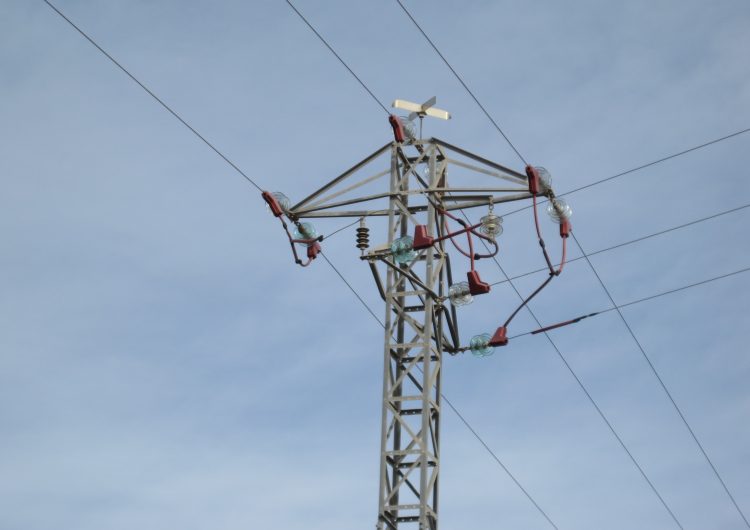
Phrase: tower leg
(409, 462)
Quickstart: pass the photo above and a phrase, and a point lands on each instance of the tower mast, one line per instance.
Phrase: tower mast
(413, 275)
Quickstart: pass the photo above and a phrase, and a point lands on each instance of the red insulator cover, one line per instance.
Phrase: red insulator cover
(476, 285)
(421, 239)
(500, 337)
(313, 250)
(565, 228)
(273, 204)
(533, 180)
(398, 128)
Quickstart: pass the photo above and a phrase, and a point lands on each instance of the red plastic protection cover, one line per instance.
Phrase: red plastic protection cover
(565, 228)
(273, 204)
(421, 239)
(500, 337)
(533, 180)
(398, 129)
(476, 285)
(313, 250)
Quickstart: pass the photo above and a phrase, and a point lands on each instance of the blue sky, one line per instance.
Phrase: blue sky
(163, 364)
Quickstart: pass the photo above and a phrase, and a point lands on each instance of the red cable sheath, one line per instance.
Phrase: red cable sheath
(536, 218)
(541, 240)
(292, 241)
(488, 238)
(554, 326)
(563, 258)
(565, 323)
(462, 251)
(468, 230)
(446, 212)
(528, 299)
(553, 273)
(471, 249)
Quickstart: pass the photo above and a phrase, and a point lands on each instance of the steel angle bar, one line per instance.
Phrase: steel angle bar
(522, 177)
(350, 188)
(347, 202)
(377, 278)
(405, 426)
(435, 278)
(453, 330)
(416, 326)
(343, 176)
(417, 209)
(403, 478)
(407, 482)
(495, 200)
(469, 190)
(344, 213)
(410, 277)
(410, 168)
(407, 368)
(474, 197)
(407, 211)
(477, 169)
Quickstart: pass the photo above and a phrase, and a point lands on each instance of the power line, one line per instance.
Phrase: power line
(653, 296)
(476, 435)
(637, 240)
(329, 236)
(186, 124)
(681, 288)
(251, 181)
(463, 83)
(604, 286)
(516, 290)
(193, 130)
(353, 290)
(454, 409)
(611, 428)
(574, 190)
(202, 138)
(642, 166)
(499, 462)
(659, 161)
(589, 396)
(499, 130)
(150, 93)
(330, 48)
(661, 381)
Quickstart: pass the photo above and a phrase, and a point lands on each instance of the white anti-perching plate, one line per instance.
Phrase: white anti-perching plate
(426, 108)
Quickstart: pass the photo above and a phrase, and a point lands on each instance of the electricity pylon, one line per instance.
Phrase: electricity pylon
(415, 279)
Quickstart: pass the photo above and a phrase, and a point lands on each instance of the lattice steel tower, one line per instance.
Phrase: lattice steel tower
(413, 274)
